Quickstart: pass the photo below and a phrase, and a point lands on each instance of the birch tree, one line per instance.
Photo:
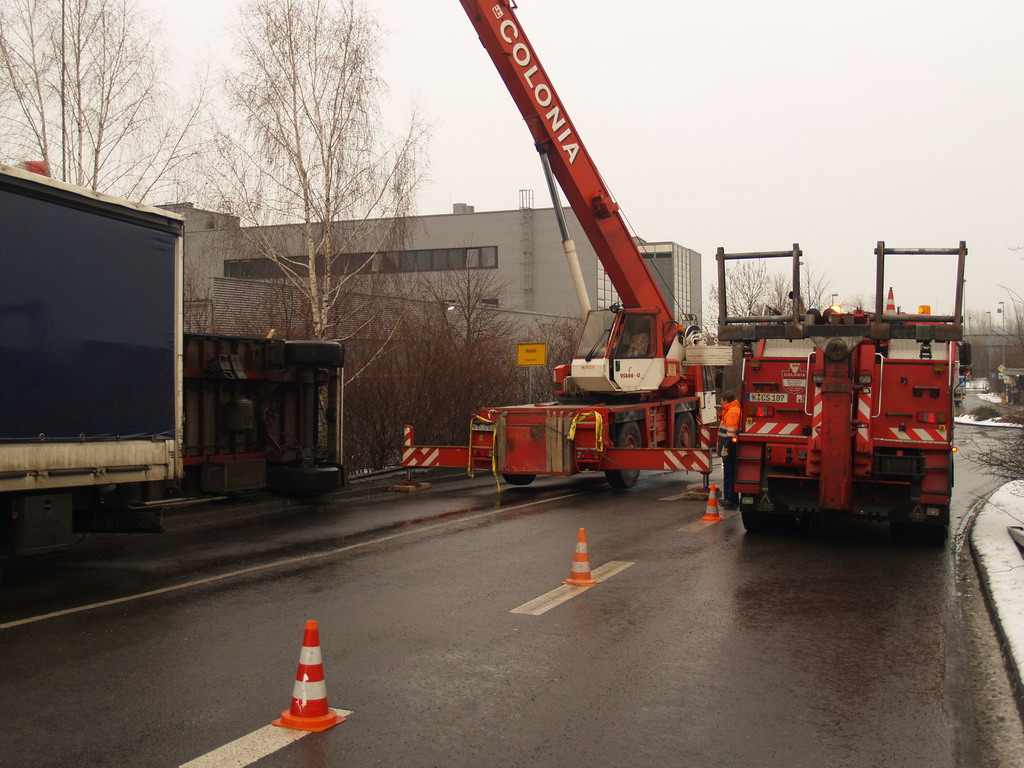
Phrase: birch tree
(81, 90)
(308, 146)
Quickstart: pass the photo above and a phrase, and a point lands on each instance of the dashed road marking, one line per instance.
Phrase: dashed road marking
(287, 561)
(557, 596)
(248, 749)
(700, 525)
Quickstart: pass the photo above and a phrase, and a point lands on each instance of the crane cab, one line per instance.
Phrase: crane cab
(620, 351)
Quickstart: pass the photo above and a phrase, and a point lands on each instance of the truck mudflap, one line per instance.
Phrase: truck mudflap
(551, 446)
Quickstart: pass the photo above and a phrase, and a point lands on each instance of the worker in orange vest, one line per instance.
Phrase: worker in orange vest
(728, 428)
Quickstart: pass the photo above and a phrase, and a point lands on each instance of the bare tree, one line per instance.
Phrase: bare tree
(82, 81)
(308, 148)
(470, 299)
(562, 336)
(752, 289)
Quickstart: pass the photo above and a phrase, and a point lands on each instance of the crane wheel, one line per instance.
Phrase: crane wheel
(518, 479)
(629, 437)
(685, 431)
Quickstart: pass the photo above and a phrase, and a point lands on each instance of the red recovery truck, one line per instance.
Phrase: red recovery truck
(640, 392)
(847, 414)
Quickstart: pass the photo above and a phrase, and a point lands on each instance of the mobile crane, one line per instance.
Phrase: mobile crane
(847, 414)
(640, 392)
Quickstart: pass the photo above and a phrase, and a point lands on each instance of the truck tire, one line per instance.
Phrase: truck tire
(518, 479)
(918, 533)
(629, 437)
(756, 522)
(686, 431)
(327, 354)
(303, 481)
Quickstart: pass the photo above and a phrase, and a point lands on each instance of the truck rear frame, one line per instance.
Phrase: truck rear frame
(846, 414)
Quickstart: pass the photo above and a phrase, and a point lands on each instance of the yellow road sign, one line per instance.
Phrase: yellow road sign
(532, 354)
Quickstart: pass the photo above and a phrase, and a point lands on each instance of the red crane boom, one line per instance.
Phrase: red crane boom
(554, 133)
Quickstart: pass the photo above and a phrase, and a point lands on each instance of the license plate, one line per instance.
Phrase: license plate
(766, 397)
(483, 427)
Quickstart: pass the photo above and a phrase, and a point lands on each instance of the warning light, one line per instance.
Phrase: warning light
(955, 449)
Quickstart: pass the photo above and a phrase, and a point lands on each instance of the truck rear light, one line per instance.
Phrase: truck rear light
(864, 379)
(818, 378)
(763, 411)
(931, 417)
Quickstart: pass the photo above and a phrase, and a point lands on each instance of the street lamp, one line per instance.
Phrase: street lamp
(832, 299)
(988, 343)
(1002, 340)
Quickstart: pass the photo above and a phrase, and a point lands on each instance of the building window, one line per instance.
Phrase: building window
(428, 260)
(252, 269)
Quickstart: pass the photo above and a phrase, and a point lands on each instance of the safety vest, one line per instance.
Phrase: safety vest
(730, 424)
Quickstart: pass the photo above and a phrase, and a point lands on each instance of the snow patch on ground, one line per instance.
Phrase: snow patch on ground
(968, 419)
(988, 397)
(1002, 565)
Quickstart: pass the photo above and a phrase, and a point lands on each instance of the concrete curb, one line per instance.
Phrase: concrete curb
(1000, 567)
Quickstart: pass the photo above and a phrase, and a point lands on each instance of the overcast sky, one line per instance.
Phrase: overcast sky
(750, 125)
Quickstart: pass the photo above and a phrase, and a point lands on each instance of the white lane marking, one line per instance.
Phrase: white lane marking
(248, 749)
(700, 525)
(277, 563)
(559, 595)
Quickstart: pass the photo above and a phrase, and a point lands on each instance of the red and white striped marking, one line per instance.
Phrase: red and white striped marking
(816, 418)
(918, 434)
(413, 456)
(773, 428)
(687, 461)
(863, 419)
(421, 457)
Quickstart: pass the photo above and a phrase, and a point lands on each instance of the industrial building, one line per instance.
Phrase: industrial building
(522, 246)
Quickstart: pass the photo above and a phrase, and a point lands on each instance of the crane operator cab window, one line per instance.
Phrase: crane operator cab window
(637, 336)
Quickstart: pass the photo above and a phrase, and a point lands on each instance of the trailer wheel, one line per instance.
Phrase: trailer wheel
(685, 431)
(629, 437)
(329, 354)
(303, 481)
(519, 479)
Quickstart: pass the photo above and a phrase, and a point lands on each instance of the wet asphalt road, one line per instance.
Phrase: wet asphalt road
(714, 649)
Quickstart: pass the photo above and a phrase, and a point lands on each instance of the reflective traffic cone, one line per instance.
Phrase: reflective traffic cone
(309, 710)
(890, 304)
(580, 576)
(711, 514)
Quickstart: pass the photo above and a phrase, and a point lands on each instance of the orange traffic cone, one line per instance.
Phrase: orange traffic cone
(711, 515)
(890, 304)
(309, 710)
(580, 576)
